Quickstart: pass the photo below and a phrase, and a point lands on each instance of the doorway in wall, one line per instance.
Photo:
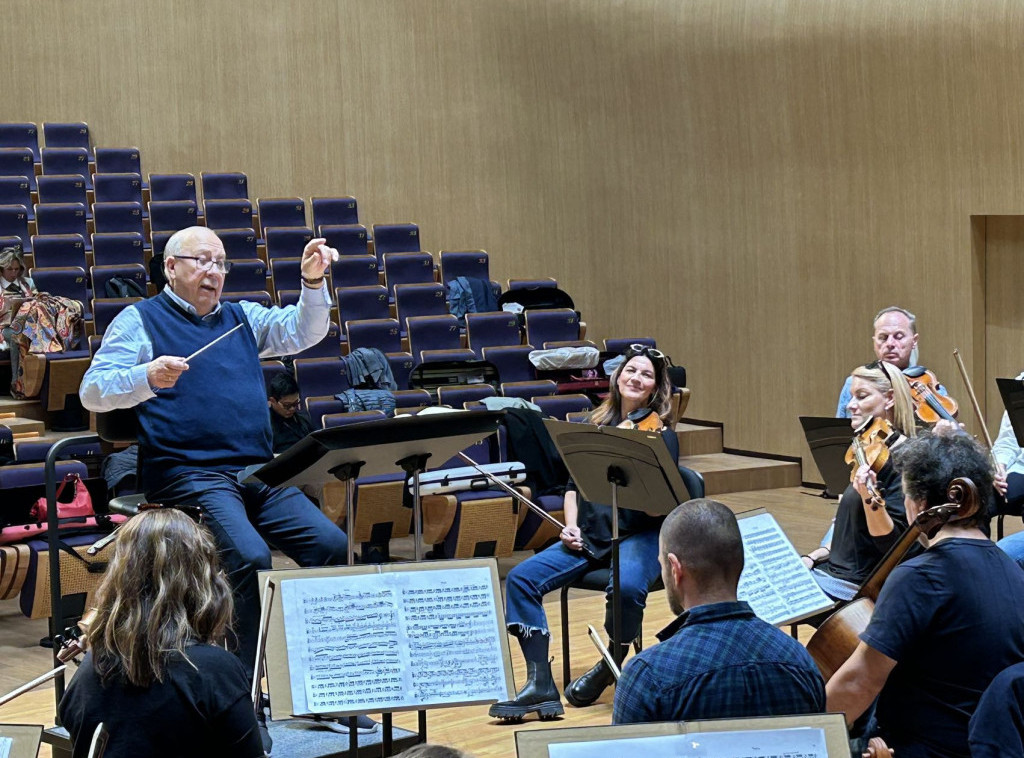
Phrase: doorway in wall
(998, 320)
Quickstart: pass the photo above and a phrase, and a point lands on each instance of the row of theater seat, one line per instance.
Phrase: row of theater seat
(55, 134)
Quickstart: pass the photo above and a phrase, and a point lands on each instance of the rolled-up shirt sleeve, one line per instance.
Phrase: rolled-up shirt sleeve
(116, 378)
(292, 329)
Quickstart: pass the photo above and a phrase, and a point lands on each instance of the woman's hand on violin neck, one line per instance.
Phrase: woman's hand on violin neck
(572, 538)
(861, 478)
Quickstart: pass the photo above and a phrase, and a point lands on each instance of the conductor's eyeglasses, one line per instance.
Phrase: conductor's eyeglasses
(206, 264)
(651, 352)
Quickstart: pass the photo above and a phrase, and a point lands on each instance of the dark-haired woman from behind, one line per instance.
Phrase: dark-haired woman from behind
(157, 674)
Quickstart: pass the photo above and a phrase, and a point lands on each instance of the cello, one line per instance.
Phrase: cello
(834, 641)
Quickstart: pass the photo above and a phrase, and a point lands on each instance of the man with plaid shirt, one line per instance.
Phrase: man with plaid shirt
(717, 659)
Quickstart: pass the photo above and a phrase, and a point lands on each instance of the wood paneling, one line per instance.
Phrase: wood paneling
(746, 181)
(1004, 317)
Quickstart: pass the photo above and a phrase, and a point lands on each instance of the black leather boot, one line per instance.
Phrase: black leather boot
(539, 695)
(587, 689)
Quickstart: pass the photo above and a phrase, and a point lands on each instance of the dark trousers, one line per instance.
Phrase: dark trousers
(244, 518)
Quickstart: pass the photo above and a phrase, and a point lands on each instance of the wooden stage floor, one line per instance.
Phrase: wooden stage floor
(802, 515)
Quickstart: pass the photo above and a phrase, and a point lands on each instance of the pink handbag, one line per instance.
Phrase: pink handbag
(80, 505)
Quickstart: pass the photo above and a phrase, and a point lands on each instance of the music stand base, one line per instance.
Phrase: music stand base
(59, 740)
(299, 738)
(295, 738)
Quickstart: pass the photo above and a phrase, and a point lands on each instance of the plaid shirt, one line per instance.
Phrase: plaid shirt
(719, 661)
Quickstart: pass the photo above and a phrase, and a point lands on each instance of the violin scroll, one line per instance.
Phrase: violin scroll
(870, 447)
(74, 641)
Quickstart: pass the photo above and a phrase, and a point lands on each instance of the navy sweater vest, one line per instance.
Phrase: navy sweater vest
(215, 417)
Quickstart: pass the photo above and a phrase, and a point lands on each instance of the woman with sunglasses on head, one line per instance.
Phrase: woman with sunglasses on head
(865, 529)
(157, 674)
(639, 397)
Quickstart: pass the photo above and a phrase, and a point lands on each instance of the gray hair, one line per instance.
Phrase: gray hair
(896, 309)
(11, 255)
(177, 241)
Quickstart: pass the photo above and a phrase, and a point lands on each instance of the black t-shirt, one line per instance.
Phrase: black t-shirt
(855, 552)
(595, 520)
(952, 618)
(199, 711)
(997, 726)
(288, 431)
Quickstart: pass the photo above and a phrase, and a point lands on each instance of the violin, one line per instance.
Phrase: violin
(870, 447)
(644, 419)
(929, 405)
(836, 639)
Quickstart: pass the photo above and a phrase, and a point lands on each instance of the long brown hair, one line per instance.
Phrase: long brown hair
(164, 590)
(609, 413)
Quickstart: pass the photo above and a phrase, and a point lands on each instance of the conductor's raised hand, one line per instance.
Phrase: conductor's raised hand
(163, 372)
(316, 258)
(572, 538)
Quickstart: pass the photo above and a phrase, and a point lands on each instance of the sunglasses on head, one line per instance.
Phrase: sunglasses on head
(194, 512)
(880, 366)
(651, 352)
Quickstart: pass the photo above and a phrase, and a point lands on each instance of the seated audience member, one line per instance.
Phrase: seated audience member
(717, 659)
(996, 729)
(14, 285)
(640, 384)
(156, 672)
(12, 274)
(287, 422)
(862, 531)
(894, 339)
(946, 621)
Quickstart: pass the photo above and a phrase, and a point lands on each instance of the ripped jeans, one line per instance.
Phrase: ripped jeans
(557, 566)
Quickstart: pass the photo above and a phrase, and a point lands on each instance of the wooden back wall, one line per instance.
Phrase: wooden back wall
(748, 182)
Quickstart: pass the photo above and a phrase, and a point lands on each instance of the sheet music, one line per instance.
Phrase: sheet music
(6, 743)
(768, 743)
(775, 581)
(371, 642)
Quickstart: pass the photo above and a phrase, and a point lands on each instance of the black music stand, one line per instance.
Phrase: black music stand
(829, 439)
(1012, 392)
(370, 449)
(627, 468)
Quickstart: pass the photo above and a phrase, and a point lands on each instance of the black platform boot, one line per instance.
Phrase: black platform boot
(539, 695)
(586, 689)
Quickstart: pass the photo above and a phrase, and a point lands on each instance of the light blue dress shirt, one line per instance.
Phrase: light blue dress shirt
(116, 378)
(845, 395)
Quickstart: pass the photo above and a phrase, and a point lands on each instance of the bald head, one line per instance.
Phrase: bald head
(184, 240)
(188, 256)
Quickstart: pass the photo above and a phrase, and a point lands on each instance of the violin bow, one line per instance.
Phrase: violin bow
(974, 404)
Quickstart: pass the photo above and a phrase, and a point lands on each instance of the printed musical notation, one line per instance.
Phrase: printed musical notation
(761, 743)
(367, 642)
(774, 581)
